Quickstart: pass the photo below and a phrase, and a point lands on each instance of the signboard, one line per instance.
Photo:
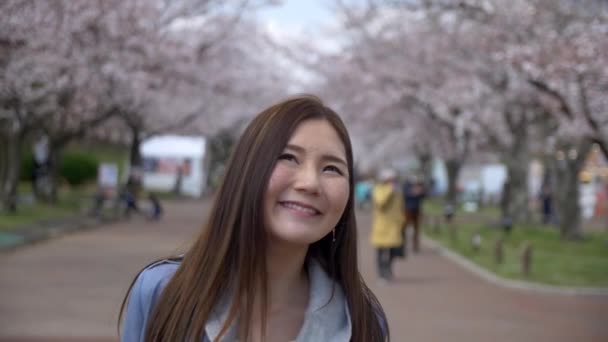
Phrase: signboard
(169, 166)
(41, 150)
(107, 175)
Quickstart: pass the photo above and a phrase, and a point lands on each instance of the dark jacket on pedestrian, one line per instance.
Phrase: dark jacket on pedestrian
(413, 194)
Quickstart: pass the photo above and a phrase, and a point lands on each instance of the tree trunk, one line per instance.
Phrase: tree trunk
(13, 171)
(3, 163)
(54, 175)
(453, 167)
(519, 205)
(567, 169)
(135, 153)
(516, 208)
(426, 168)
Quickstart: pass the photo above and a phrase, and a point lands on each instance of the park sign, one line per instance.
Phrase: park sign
(107, 175)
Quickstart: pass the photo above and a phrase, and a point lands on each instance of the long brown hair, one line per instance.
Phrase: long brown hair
(229, 253)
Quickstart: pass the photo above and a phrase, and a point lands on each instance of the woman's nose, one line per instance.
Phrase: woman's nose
(307, 179)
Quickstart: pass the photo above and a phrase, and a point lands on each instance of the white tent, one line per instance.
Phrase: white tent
(175, 163)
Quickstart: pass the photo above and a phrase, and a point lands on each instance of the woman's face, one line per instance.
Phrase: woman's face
(309, 188)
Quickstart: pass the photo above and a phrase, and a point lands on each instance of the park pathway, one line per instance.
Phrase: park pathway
(70, 289)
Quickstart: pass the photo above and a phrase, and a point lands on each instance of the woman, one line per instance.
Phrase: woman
(387, 230)
(277, 260)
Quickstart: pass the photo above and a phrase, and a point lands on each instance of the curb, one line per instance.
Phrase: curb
(512, 284)
(18, 238)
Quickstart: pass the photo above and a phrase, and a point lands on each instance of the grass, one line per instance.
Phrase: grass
(72, 201)
(70, 204)
(554, 261)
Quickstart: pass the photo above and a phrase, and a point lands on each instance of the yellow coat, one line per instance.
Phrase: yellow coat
(388, 217)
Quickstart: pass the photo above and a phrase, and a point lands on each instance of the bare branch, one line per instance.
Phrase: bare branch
(544, 88)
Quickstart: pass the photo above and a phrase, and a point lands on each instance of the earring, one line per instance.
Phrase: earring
(334, 235)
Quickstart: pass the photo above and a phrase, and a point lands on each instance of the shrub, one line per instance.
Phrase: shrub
(78, 168)
(27, 167)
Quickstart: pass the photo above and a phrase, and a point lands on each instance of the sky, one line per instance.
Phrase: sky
(295, 20)
(297, 15)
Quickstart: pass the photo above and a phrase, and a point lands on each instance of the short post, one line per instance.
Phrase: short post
(476, 241)
(507, 224)
(448, 212)
(499, 251)
(437, 225)
(453, 232)
(526, 259)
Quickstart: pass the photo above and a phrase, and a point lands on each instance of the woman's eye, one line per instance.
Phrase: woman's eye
(288, 157)
(333, 169)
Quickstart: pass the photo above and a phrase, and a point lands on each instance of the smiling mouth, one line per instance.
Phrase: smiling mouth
(300, 208)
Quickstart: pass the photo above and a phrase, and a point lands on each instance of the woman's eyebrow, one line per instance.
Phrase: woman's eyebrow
(332, 158)
(295, 148)
(328, 157)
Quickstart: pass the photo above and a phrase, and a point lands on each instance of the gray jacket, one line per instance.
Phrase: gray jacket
(325, 319)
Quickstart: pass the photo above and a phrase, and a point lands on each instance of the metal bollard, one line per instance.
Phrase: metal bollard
(476, 241)
(437, 225)
(526, 259)
(499, 251)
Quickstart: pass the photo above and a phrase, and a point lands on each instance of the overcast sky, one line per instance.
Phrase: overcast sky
(298, 15)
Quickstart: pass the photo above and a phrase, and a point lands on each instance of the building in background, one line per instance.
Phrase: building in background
(173, 163)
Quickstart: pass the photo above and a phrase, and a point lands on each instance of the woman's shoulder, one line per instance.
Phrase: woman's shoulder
(381, 317)
(156, 275)
(163, 267)
(143, 296)
(152, 280)
(383, 323)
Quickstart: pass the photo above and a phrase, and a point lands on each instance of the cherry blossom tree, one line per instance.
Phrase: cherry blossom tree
(71, 66)
(511, 80)
(559, 49)
(392, 82)
(29, 77)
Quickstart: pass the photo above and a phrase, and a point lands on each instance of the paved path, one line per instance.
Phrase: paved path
(70, 289)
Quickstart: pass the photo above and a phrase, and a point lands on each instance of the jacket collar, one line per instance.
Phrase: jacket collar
(327, 315)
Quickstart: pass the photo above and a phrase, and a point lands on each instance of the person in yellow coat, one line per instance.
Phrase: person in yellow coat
(388, 221)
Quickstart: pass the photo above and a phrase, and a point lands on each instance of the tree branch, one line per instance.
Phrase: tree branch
(409, 99)
(187, 120)
(83, 127)
(554, 94)
(597, 137)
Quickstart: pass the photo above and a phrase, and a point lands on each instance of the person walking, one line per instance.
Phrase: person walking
(387, 221)
(413, 195)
